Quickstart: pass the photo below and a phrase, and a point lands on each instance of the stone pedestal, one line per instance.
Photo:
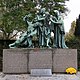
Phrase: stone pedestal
(23, 60)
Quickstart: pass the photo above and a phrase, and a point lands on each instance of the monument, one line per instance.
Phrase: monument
(42, 26)
(46, 57)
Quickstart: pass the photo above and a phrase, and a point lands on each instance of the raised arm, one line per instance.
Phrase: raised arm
(56, 21)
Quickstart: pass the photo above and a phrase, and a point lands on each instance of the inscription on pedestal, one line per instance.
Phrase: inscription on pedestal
(41, 72)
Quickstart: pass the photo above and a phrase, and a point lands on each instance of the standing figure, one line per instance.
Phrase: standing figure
(59, 41)
(41, 27)
(44, 31)
(47, 29)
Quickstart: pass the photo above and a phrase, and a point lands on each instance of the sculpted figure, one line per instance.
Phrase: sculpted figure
(41, 26)
(47, 29)
(59, 32)
(43, 29)
(26, 37)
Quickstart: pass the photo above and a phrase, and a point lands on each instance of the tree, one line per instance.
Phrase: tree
(52, 5)
(11, 15)
(70, 35)
(77, 29)
(13, 11)
(72, 40)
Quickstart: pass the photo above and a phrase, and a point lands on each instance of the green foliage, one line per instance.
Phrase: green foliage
(13, 11)
(72, 40)
(70, 35)
(52, 5)
(77, 29)
(11, 15)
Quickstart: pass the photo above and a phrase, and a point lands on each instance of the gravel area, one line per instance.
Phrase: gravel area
(28, 77)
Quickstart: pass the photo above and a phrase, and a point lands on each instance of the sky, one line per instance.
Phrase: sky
(74, 7)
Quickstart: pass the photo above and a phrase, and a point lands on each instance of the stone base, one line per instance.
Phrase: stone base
(22, 60)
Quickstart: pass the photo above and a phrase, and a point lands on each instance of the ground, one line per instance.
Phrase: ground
(28, 77)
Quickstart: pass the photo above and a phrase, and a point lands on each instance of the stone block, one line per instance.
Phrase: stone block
(14, 61)
(64, 58)
(40, 59)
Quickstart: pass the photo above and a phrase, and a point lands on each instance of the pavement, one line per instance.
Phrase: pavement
(28, 77)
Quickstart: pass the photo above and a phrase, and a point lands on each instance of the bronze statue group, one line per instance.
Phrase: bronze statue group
(42, 26)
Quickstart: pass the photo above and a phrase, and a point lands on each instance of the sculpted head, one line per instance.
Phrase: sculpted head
(56, 13)
(42, 10)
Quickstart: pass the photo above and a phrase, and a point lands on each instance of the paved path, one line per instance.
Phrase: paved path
(28, 77)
